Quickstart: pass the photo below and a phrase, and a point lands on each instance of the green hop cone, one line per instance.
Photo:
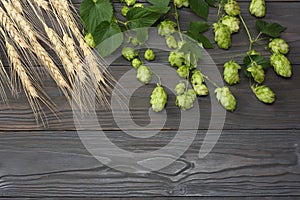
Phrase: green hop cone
(281, 64)
(278, 45)
(232, 8)
(176, 58)
(149, 55)
(186, 100)
(128, 53)
(192, 64)
(89, 39)
(136, 63)
(201, 89)
(180, 3)
(159, 99)
(226, 98)
(138, 5)
(171, 42)
(252, 52)
(125, 10)
(232, 22)
(264, 93)
(257, 72)
(258, 8)
(183, 71)
(231, 72)
(197, 78)
(166, 27)
(144, 74)
(134, 41)
(179, 89)
(222, 35)
(130, 2)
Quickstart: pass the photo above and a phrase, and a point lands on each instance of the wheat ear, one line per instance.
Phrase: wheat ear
(41, 53)
(42, 4)
(3, 81)
(18, 6)
(9, 27)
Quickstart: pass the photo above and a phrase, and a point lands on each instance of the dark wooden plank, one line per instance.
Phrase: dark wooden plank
(243, 163)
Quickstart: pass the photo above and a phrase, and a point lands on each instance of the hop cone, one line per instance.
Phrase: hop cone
(232, 22)
(258, 8)
(158, 99)
(222, 35)
(257, 72)
(130, 2)
(144, 74)
(281, 64)
(278, 45)
(201, 89)
(226, 98)
(186, 100)
(180, 88)
(171, 42)
(166, 27)
(264, 94)
(149, 55)
(136, 63)
(176, 58)
(232, 8)
(231, 72)
(183, 71)
(128, 53)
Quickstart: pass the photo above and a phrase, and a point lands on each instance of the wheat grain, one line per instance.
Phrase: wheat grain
(42, 4)
(60, 51)
(39, 50)
(20, 70)
(18, 6)
(8, 25)
(75, 57)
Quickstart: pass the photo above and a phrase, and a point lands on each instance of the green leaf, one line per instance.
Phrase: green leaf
(200, 7)
(201, 39)
(193, 49)
(211, 3)
(198, 27)
(92, 14)
(158, 9)
(141, 17)
(159, 3)
(271, 29)
(142, 35)
(107, 37)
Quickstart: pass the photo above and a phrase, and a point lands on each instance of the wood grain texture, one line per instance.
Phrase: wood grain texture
(256, 157)
(243, 163)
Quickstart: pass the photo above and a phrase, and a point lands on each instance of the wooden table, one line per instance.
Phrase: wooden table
(257, 155)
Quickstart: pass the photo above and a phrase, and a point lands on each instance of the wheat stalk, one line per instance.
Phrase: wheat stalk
(8, 25)
(38, 49)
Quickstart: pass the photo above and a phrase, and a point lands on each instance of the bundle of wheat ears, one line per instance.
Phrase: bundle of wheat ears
(27, 29)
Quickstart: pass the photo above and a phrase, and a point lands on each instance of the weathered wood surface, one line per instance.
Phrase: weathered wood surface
(257, 155)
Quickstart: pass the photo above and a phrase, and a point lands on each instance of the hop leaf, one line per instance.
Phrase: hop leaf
(149, 55)
(278, 45)
(231, 72)
(144, 74)
(176, 58)
(264, 93)
(281, 64)
(166, 27)
(171, 42)
(226, 98)
(232, 22)
(159, 99)
(232, 8)
(128, 53)
(186, 100)
(258, 8)
(136, 63)
(130, 2)
(257, 72)
(222, 35)
(89, 39)
(125, 10)
(180, 88)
